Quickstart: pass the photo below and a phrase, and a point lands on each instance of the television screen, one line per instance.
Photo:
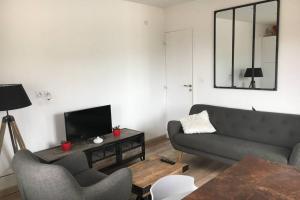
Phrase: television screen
(89, 123)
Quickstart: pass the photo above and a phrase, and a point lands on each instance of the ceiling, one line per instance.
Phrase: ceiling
(160, 3)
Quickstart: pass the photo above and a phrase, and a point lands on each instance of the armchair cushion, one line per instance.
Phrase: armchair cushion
(89, 177)
(74, 163)
(116, 186)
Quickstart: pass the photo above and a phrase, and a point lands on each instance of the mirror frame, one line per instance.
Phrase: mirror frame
(253, 43)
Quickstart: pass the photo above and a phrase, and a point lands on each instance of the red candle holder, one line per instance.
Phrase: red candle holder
(117, 132)
(66, 146)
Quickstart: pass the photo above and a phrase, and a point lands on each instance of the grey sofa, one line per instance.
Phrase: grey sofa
(272, 136)
(69, 178)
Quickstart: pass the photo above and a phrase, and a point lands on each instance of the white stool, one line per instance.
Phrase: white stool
(173, 187)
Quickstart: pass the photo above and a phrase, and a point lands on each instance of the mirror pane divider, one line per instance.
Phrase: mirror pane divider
(253, 42)
(233, 45)
(215, 45)
(277, 45)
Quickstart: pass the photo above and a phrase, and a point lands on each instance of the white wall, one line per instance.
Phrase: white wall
(199, 16)
(86, 53)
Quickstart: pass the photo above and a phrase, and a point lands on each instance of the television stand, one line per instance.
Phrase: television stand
(118, 150)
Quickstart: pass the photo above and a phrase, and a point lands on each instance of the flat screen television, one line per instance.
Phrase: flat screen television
(88, 123)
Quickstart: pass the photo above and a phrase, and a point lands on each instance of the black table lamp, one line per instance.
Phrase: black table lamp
(253, 73)
(12, 97)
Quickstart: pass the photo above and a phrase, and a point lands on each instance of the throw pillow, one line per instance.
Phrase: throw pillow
(198, 123)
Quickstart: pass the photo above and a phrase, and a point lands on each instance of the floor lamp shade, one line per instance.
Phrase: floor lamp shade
(254, 72)
(13, 97)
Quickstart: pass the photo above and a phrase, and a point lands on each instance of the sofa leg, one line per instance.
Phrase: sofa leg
(179, 156)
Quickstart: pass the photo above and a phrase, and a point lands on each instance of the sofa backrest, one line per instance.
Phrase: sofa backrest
(265, 127)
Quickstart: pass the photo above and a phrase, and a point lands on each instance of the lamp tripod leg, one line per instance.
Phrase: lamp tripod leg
(12, 137)
(2, 132)
(252, 84)
(17, 135)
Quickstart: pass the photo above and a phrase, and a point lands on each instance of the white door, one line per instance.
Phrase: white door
(179, 74)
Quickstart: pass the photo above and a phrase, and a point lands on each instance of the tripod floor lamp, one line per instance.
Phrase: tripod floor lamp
(12, 97)
(253, 73)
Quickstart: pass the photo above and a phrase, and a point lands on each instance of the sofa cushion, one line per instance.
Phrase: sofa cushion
(231, 147)
(89, 177)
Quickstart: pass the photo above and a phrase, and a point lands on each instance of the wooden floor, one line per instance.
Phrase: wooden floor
(203, 170)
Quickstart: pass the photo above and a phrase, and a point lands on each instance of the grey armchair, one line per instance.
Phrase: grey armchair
(69, 178)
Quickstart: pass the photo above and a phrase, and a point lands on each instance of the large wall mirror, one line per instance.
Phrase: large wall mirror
(246, 46)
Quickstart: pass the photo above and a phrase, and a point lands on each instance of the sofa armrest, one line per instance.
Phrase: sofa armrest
(74, 163)
(174, 127)
(295, 156)
(116, 186)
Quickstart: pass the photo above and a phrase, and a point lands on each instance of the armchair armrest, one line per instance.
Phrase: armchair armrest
(174, 127)
(74, 163)
(116, 186)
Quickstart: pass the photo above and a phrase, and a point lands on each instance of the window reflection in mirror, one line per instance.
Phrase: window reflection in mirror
(224, 48)
(265, 43)
(243, 45)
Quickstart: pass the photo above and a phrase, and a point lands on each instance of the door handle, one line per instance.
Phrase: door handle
(189, 86)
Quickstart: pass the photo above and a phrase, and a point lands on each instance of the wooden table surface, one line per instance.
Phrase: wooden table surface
(252, 179)
(147, 172)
